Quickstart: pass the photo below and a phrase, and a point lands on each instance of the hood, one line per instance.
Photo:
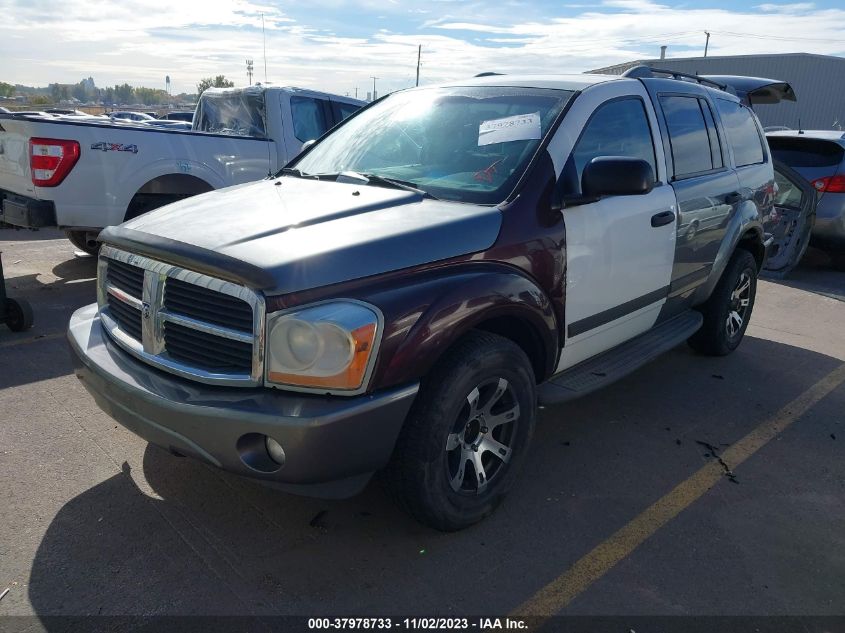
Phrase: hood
(292, 234)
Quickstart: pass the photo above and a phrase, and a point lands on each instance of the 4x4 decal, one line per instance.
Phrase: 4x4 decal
(115, 147)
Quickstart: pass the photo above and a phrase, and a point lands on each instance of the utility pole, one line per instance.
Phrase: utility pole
(374, 86)
(419, 54)
(356, 92)
(264, 40)
(707, 42)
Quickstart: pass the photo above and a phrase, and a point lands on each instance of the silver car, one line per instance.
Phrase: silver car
(819, 156)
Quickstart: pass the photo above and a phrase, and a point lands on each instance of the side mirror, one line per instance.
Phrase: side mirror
(616, 176)
(308, 144)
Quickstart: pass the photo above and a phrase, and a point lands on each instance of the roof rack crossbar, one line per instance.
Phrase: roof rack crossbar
(648, 71)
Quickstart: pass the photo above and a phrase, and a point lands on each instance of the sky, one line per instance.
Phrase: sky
(338, 45)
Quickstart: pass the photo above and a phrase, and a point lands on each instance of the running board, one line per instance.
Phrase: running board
(620, 361)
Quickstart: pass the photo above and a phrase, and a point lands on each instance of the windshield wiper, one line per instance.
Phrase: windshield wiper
(390, 182)
(298, 173)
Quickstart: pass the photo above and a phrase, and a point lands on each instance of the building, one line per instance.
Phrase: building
(818, 81)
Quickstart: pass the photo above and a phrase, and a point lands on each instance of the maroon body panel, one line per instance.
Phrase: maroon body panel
(515, 288)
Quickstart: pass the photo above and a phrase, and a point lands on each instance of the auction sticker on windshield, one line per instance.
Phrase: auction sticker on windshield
(522, 127)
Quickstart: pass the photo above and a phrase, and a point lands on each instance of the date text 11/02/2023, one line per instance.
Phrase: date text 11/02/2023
(418, 623)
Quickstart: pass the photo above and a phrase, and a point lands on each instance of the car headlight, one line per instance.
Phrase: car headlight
(329, 346)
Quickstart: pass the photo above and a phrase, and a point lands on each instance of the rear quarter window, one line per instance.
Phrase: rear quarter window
(691, 148)
(309, 118)
(741, 130)
(806, 152)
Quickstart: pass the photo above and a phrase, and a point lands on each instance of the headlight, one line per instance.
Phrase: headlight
(327, 346)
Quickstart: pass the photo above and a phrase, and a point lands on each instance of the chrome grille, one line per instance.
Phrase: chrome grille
(182, 321)
(127, 317)
(210, 306)
(128, 278)
(206, 350)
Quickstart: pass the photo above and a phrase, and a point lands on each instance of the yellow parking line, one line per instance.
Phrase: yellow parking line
(31, 339)
(562, 590)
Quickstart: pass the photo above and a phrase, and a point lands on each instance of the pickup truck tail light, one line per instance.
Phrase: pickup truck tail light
(50, 160)
(830, 184)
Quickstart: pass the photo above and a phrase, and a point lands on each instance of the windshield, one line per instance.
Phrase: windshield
(463, 144)
(236, 113)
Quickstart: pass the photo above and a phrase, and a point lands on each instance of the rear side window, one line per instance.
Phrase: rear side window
(806, 152)
(691, 148)
(616, 128)
(743, 136)
(715, 145)
(309, 118)
(345, 110)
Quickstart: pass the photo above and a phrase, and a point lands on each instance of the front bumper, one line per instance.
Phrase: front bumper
(26, 212)
(333, 445)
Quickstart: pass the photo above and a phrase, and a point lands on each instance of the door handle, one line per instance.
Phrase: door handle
(734, 197)
(663, 218)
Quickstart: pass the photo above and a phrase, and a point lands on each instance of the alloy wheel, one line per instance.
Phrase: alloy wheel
(481, 442)
(738, 309)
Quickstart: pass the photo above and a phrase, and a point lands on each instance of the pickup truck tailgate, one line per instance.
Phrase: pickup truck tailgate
(14, 157)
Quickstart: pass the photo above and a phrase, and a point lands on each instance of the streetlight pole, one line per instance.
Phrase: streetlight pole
(419, 54)
(706, 42)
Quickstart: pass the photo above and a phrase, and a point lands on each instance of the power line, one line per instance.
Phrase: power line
(779, 37)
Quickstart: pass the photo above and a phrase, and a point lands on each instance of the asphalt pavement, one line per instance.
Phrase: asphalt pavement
(95, 521)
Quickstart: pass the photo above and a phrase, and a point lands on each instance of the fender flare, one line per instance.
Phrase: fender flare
(425, 316)
(744, 224)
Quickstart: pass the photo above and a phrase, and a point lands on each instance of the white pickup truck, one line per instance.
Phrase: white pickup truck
(84, 175)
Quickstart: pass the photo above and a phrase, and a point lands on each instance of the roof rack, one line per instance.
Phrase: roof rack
(642, 71)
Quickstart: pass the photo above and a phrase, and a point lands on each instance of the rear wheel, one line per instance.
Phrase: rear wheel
(728, 310)
(85, 241)
(18, 315)
(466, 437)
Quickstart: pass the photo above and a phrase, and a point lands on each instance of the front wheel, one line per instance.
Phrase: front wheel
(728, 310)
(18, 315)
(463, 443)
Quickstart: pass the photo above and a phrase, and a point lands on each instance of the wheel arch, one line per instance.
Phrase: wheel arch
(752, 242)
(485, 297)
(163, 189)
(176, 184)
(521, 331)
(745, 231)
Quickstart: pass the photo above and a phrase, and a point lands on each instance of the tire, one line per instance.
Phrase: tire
(482, 395)
(85, 241)
(18, 314)
(733, 297)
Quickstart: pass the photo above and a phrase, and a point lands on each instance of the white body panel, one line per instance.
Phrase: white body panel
(98, 190)
(613, 254)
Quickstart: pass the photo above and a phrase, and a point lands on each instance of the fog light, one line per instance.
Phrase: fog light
(275, 450)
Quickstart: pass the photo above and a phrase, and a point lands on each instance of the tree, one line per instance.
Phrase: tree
(59, 92)
(107, 96)
(124, 94)
(6, 90)
(219, 81)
